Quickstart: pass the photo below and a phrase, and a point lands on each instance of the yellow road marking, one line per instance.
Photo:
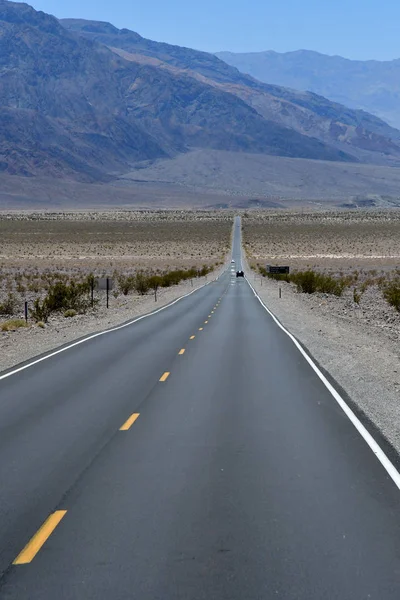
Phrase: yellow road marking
(200, 329)
(40, 537)
(212, 312)
(205, 322)
(182, 351)
(129, 422)
(192, 337)
(165, 376)
(209, 316)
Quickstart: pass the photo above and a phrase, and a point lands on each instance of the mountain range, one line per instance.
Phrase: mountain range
(86, 101)
(353, 132)
(370, 85)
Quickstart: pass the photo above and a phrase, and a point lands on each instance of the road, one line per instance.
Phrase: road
(237, 475)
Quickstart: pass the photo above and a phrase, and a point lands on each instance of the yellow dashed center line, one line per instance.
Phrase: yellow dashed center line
(182, 351)
(165, 376)
(200, 329)
(128, 424)
(40, 537)
(192, 337)
(205, 322)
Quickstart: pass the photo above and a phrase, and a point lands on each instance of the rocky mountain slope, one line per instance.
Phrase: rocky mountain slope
(364, 136)
(370, 85)
(71, 106)
(87, 101)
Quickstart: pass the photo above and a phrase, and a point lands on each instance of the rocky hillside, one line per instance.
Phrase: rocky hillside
(364, 136)
(71, 106)
(370, 85)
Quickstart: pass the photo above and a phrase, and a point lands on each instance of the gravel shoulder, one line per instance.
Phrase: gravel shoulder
(361, 353)
(26, 343)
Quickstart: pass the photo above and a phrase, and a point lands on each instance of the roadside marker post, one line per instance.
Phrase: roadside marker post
(26, 311)
(92, 292)
(280, 292)
(108, 289)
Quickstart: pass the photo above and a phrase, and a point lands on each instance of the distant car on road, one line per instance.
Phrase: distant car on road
(239, 274)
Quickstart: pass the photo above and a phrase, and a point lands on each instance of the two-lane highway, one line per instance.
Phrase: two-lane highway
(194, 455)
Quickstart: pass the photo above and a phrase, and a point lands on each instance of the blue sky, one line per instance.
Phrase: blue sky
(357, 29)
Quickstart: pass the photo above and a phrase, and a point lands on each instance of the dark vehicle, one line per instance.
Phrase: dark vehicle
(239, 274)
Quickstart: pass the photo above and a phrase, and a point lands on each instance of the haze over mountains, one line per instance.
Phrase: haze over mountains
(84, 101)
(370, 85)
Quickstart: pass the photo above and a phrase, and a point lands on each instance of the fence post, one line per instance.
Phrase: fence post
(26, 311)
(108, 289)
(91, 291)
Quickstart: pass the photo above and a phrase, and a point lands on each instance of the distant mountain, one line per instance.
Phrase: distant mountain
(364, 136)
(370, 85)
(71, 106)
(87, 101)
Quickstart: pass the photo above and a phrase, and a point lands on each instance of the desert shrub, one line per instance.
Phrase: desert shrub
(13, 324)
(34, 286)
(391, 293)
(40, 312)
(141, 283)
(41, 324)
(10, 306)
(330, 285)
(306, 281)
(173, 277)
(309, 282)
(381, 280)
(62, 296)
(368, 282)
(356, 296)
(70, 313)
(126, 284)
(154, 282)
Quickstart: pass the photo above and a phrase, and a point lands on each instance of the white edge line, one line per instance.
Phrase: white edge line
(376, 449)
(99, 333)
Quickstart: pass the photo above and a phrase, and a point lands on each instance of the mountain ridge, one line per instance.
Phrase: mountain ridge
(72, 107)
(371, 85)
(352, 131)
(91, 102)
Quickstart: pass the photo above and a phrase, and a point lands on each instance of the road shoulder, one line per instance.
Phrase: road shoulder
(364, 361)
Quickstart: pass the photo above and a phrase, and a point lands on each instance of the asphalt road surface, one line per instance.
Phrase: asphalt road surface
(237, 475)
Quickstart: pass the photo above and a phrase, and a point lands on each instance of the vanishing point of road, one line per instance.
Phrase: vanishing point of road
(194, 454)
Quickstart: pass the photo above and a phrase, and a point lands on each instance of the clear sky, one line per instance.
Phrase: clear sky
(357, 29)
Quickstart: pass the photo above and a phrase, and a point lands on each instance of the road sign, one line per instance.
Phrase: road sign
(101, 283)
(275, 269)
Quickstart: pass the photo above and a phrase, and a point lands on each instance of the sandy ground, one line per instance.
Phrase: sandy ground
(360, 352)
(340, 241)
